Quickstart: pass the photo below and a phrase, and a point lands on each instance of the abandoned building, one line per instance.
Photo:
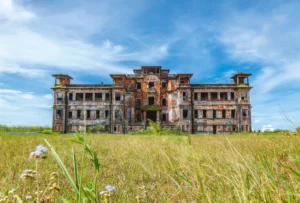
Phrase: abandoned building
(153, 93)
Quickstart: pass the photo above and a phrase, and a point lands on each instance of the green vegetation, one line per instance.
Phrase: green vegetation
(250, 167)
(37, 129)
(97, 129)
(152, 108)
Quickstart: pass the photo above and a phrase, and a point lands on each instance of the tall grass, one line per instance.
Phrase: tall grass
(6, 128)
(235, 168)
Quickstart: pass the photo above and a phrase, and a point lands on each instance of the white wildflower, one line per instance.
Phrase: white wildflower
(28, 174)
(28, 197)
(40, 152)
(102, 192)
(110, 188)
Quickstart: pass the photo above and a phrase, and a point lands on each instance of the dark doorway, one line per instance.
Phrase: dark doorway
(151, 115)
(214, 129)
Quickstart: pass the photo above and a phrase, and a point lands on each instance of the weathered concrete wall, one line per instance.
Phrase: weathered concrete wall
(118, 107)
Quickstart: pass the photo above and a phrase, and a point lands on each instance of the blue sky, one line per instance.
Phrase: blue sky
(91, 39)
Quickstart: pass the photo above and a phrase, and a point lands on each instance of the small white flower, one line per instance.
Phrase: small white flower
(40, 152)
(110, 188)
(102, 192)
(28, 173)
(28, 197)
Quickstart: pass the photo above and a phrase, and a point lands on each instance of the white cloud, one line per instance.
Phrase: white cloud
(25, 72)
(25, 46)
(24, 108)
(8, 91)
(28, 96)
(269, 39)
(11, 11)
(48, 96)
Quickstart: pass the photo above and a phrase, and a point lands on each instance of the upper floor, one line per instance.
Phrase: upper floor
(152, 85)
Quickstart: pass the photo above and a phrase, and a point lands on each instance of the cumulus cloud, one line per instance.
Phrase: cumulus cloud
(9, 10)
(25, 46)
(24, 108)
(271, 40)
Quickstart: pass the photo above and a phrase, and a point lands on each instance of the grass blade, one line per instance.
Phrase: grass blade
(62, 166)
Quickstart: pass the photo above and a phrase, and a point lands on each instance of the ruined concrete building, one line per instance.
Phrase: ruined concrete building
(152, 93)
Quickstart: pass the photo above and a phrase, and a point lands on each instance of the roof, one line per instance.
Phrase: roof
(62, 76)
(241, 74)
(185, 74)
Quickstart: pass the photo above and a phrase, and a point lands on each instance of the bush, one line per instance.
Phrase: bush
(97, 129)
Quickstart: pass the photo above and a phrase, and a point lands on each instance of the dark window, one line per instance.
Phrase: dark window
(106, 96)
(164, 85)
(245, 113)
(138, 104)
(223, 96)
(242, 80)
(224, 113)
(164, 102)
(88, 96)
(232, 95)
(244, 96)
(78, 113)
(106, 113)
(196, 113)
(224, 128)
(59, 97)
(98, 114)
(88, 114)
(150, 100)
(79, 96)
(185, 113)
(70, 96)
(185, 95)
(70, 114)
(214, 114)
(59, 114)
(138, 85)
(117, 114)
(204, 114)
(232, 113)
(151, 84)
(164, 117)
(184, 82)
(214, 96)
(234, 128)
(118, 96)
(98, 96)
(138, 117)
(204, 96)
(195, 95)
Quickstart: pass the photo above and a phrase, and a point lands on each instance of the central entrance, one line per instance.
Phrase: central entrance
(151, 115)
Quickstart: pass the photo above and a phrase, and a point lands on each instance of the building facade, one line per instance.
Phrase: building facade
(153, 93)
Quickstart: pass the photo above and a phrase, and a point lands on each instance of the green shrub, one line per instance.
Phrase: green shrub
(97, 129)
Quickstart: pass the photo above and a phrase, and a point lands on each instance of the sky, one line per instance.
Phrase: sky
(91, 39)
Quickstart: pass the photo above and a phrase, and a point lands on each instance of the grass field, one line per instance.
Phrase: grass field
(233, 168)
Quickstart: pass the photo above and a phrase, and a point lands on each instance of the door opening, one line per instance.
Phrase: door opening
(151, 115)
(214, 129)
